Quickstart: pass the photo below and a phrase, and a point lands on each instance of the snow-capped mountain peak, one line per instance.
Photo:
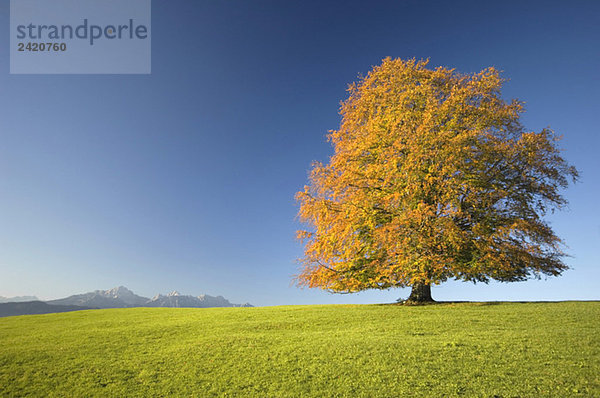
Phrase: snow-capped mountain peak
(120, 297)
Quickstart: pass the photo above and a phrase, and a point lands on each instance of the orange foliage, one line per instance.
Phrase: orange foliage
(432, 177)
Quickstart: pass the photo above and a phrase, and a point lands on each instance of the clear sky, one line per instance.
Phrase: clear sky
(185, 179)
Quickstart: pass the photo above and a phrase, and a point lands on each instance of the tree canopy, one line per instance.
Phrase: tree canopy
(432, 178)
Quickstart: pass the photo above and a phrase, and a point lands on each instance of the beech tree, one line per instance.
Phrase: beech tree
(433, 177)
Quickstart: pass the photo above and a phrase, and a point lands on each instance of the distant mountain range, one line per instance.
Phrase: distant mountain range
(18, 299)
(118, 297)
(36, 307)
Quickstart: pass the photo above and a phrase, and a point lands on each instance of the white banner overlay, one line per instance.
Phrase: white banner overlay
(80, 36)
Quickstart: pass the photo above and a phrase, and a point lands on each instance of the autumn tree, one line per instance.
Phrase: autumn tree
(432, 178)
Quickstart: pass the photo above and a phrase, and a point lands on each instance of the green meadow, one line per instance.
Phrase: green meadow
(443, 350)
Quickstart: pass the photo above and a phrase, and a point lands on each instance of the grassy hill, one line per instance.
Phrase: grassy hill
(466, 349)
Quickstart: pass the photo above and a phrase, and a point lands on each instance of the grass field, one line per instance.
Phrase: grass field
(466, 349)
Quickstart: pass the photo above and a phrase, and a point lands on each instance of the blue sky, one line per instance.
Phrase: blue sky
(185, 179)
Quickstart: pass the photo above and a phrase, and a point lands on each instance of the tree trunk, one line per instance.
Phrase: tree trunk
(421, 293)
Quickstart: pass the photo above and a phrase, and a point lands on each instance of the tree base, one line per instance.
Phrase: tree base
(420, 294)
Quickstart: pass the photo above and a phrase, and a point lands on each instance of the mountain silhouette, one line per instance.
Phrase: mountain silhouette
(118, 297)
(175, 299)
(36, 307)
(18, 299)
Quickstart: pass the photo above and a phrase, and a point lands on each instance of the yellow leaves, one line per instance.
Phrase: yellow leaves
(303, 235)
(431, 178)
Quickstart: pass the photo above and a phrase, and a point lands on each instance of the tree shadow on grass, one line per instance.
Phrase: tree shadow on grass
(474, 303)
(407, 303)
